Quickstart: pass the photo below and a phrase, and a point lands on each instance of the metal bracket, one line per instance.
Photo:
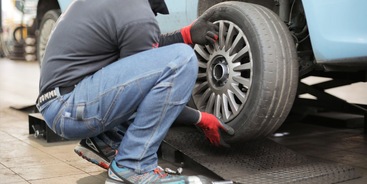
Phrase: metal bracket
(38, 127)
(329, 102)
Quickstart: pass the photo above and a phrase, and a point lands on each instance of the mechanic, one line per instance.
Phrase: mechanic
(99, 69)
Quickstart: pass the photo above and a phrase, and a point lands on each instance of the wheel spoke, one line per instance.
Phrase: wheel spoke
(201, 51)
(201, 64)
(221, 34)
(238, 93)
(241, 53)
(201, 87)
(232, 102)
(230, 35)
(201, 75)
(237, 40)
(217, 106)
(210, 105)
(204, 98)
(209, 49)
(225, 110)
(246, 66)
(242, 80)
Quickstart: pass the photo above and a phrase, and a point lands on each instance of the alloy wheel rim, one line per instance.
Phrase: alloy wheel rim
(225, 73)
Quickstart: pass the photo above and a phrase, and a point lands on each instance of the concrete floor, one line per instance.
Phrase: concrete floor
(27, 159)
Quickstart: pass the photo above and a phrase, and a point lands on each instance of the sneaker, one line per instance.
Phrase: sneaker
(95, 151)
(118, 175)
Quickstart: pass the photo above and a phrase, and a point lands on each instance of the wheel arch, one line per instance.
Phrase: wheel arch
(206, 4)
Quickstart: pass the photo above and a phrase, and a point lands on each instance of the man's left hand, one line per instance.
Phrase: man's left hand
(201, 31)
(204, 32)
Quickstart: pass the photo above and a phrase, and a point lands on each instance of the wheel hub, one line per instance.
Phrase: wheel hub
(220, 71)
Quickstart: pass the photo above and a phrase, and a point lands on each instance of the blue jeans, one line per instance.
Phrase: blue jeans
(154, 84)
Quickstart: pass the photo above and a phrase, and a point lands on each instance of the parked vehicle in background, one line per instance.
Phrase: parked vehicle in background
(17, 35)
(249, 78)
(48, 11)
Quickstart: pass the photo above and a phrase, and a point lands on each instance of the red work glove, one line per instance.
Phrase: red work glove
(201, 31)
(211, 127)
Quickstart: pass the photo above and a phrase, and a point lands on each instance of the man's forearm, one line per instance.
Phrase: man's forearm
(170, 38)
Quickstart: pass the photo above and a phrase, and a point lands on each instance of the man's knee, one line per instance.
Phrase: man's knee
(188, 56)
(183, 49)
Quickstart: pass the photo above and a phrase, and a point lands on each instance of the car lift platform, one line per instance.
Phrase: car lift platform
(261, 161)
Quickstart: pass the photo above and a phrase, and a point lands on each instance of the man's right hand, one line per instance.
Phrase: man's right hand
(211, 127)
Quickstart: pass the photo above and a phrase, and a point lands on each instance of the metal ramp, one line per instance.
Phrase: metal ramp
(261, 161)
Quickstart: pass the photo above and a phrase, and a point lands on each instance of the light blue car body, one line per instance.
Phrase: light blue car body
(64, 4)
(182, 13)
(337, 28)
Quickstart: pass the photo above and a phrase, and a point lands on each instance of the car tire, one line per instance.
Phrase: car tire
(48, 23)
(249, 78)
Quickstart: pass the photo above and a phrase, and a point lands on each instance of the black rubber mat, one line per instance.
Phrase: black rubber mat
(261, 161)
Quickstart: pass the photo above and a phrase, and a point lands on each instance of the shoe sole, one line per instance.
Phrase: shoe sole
(91, 157)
